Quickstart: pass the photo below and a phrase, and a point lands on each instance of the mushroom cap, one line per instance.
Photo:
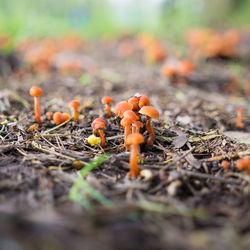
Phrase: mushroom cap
(131, 115)
(65, 117)
(149, 111)
(126, 122)
(243, 163)
(107, 100)
(135, 138)
(74, 104)
(98, 123)
(138, 124)
(144, 101)
(36, 91)
(121, 107)
(97, 120)
(168, 71)
(57, 118)
(186, 67)
(135, 102)
(240, 110)
(49, 115)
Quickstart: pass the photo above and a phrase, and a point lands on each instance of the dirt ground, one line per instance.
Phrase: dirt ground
(191, 202)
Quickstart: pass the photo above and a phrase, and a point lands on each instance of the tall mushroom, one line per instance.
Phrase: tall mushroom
(74, 105)
(239, 123)
(134, 140)
(126, 123)
(36, 92)
(150, 113)
(107, 100)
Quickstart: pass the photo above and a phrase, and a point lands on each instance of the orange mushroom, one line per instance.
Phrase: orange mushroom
(225, 164)
(97, 120)
(107, 100)
(168, 71)
(150, 112)
(126, 123)
(136, 127)
(131, 115)
(74, 105)
(65, 117)
(244, 164)
(36, 92)
(134, 140)
(144, 101)
(49, 115)
(186, 67)
(135, 102)
(239, 118)
(121, 107)
(98, 126)
(59, 117)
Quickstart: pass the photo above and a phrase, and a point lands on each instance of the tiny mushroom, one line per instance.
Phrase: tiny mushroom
(134, 140)
(98, 125)
(131, 115)
(244, 164)
(49, 115)
(74, 105)
(97, 120)
(150, 113)
(144, 101)
(121, 107)
(168, 71)
(136, 127)
(239, 124)
(65, 117)
(107, 100)
(36, 92)
(59, 117)
(126, 123)
(186, 67)
(135, 102)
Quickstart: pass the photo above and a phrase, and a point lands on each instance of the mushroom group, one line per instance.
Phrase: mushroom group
(134, 115)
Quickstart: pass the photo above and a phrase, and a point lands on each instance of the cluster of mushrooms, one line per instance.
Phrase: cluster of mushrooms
(134, 114)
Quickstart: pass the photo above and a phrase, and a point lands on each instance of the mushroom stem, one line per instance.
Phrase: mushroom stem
(108, 110)
(37, 109)
(239, 118)
(134, 129)
(150, 130)
(134, 171)
(126, 133)
(75, 113)
(101, 133)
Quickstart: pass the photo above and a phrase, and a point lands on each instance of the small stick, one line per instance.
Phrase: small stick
(39, 147)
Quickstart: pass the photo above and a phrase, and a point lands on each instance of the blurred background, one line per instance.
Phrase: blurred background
(94, 18)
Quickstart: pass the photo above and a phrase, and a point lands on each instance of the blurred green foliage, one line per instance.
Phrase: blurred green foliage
(94, 18)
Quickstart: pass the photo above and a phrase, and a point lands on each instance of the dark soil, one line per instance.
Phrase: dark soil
(191, 203)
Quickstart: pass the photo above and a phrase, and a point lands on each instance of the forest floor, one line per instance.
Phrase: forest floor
(191, 201)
